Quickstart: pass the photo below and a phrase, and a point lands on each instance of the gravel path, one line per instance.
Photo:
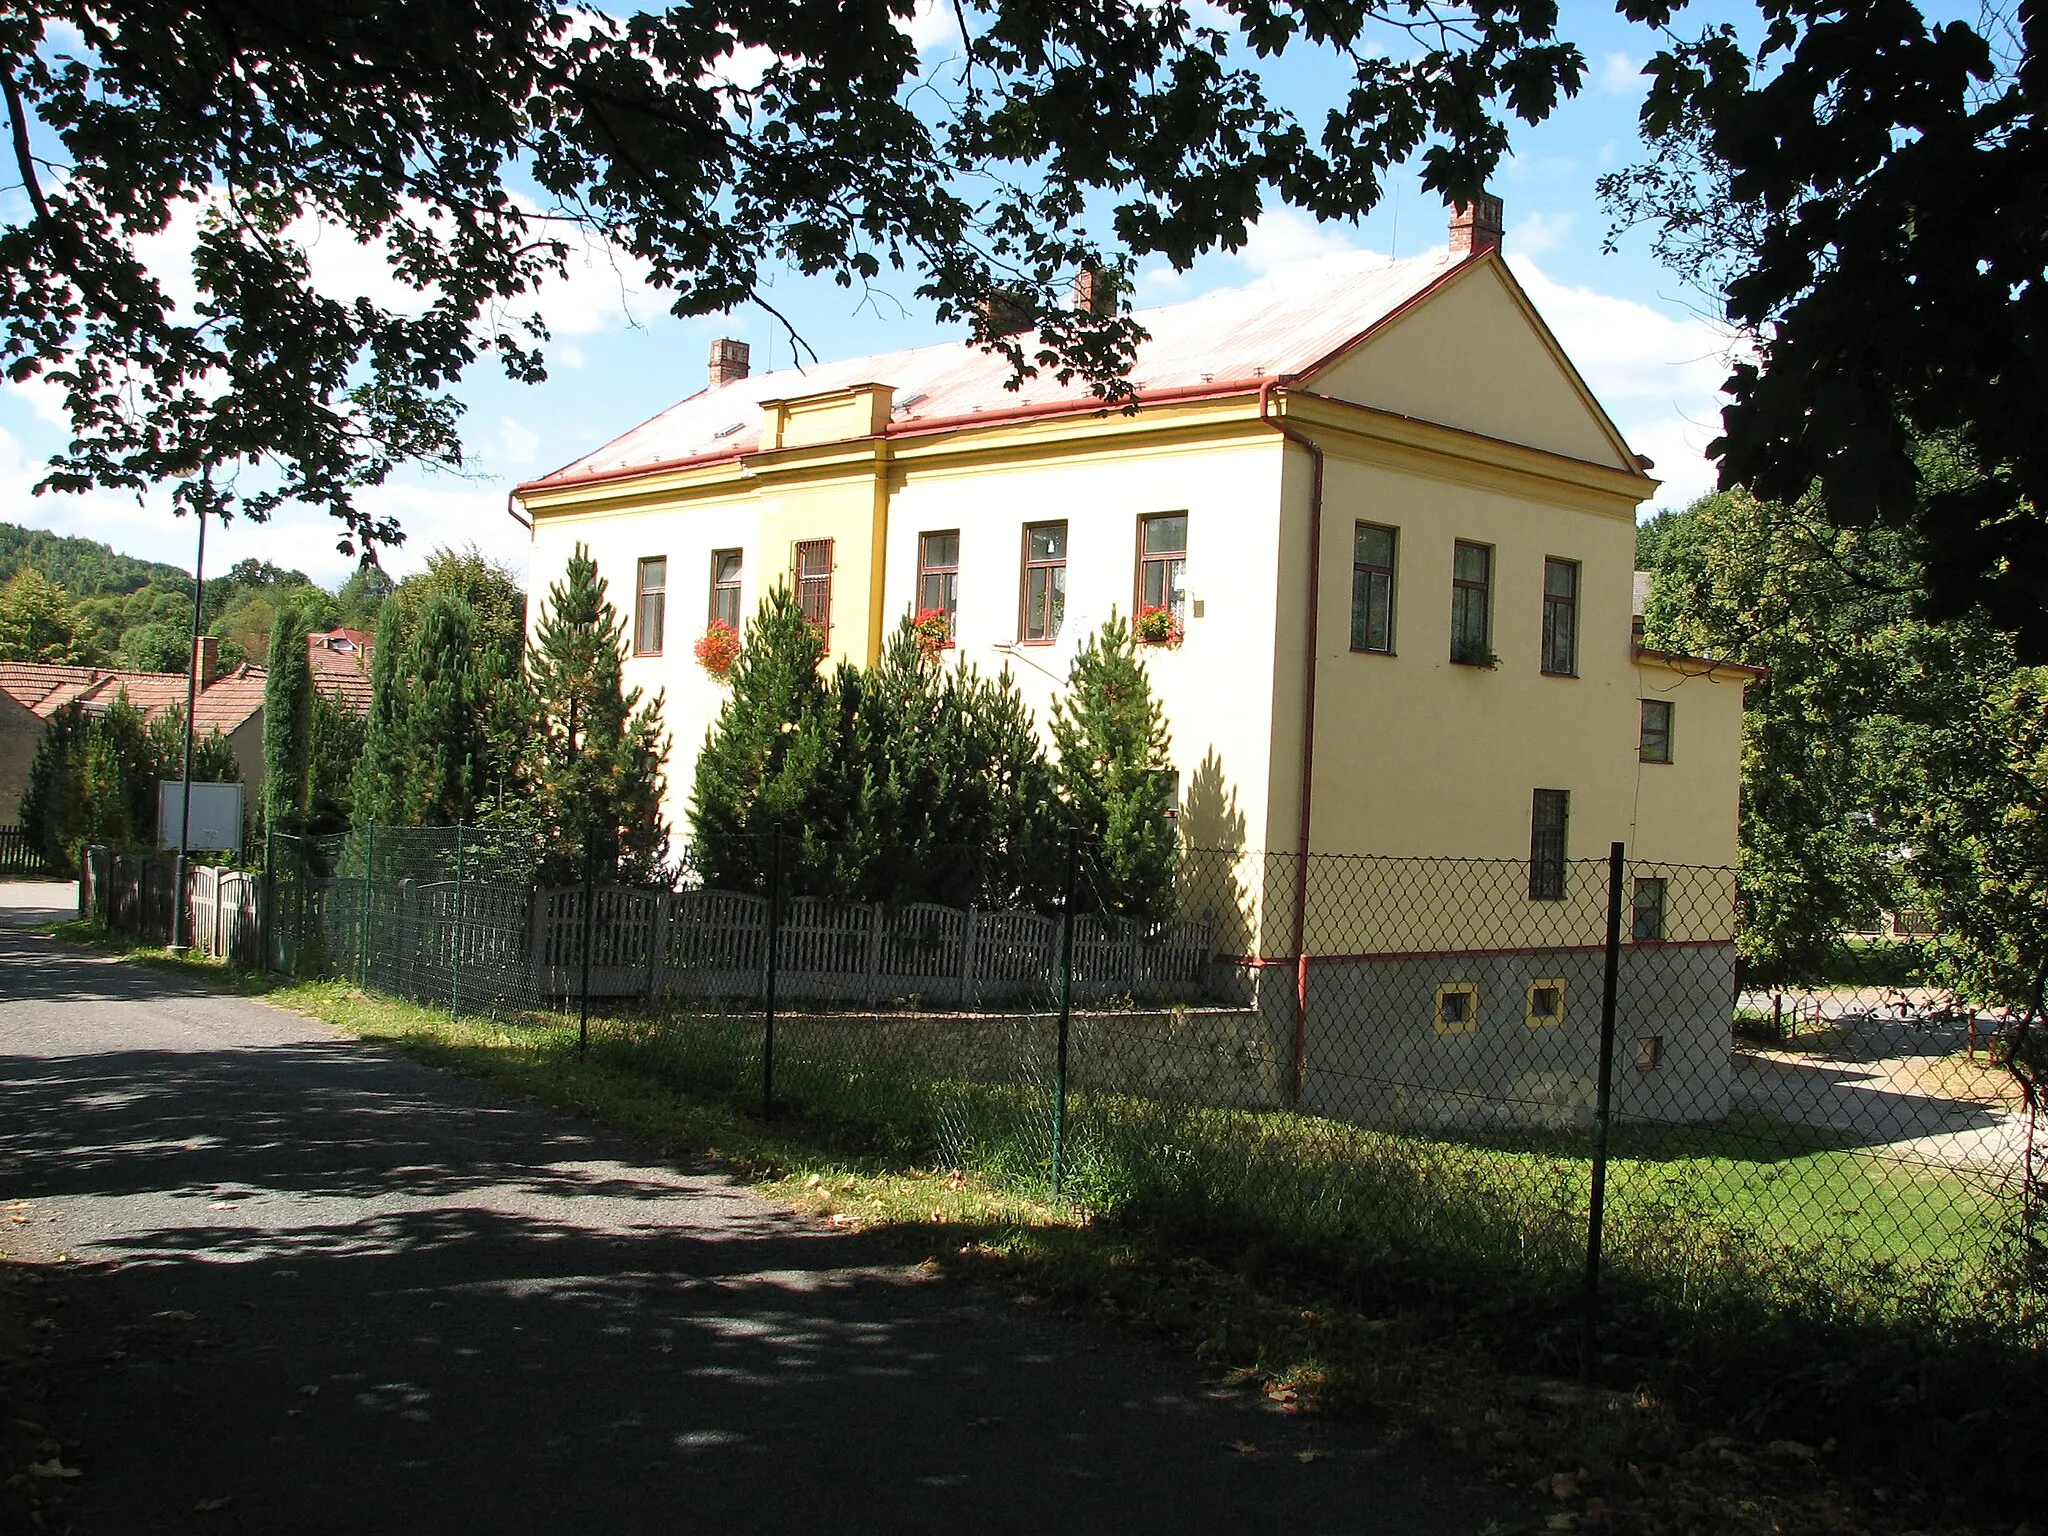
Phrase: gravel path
(314, 1287)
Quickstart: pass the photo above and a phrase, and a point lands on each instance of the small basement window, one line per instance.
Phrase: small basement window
(1457, 1007)
(1649, 1052)
(1545, 1002)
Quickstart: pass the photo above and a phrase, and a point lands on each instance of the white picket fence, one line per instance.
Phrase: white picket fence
(131, 893)
(709, 944)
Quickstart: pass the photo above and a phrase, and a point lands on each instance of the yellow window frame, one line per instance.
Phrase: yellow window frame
(1544, 1021)
(1469, 990)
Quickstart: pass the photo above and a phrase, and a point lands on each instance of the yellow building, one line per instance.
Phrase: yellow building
(1396, 528)
(1393, 526)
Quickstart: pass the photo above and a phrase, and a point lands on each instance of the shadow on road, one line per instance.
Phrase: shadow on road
(341, 1292)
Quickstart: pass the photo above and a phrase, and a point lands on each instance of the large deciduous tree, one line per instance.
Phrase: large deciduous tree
(477, 146)
(1863, 189)
(36, 621)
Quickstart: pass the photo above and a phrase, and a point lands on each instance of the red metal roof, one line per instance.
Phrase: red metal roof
(1225, 342)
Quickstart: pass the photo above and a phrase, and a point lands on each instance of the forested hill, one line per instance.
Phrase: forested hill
(82, 567)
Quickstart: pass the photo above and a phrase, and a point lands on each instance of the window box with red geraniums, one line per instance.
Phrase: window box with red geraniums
(1157, 626)
(718, 648)
(933, 631)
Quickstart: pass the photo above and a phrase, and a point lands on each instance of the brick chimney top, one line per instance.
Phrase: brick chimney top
(1007, 312)
(1476, 226)
(1094, 292)
(729, 361)
(206, 658)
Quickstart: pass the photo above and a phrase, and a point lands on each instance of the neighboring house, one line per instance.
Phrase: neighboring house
(231, 703)
(341, 666)
(1395, 526)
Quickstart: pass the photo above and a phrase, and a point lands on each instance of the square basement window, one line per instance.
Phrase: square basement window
(1546, 1003)
(1649, 1052)
(1457, 1007)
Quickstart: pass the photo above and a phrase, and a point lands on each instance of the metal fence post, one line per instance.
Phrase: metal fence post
(1596, 1211)
(455, 948)
(1059, 1111)
(589, 923)
(768, 984)
(266, 900)
(363, 921)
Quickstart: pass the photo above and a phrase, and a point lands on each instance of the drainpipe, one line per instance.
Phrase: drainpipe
(1298, 1066)
(512, 511)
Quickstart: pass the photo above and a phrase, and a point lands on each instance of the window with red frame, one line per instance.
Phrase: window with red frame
(814, 584)
(938, 576)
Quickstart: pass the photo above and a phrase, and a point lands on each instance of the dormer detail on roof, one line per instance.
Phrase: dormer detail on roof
(833, 416)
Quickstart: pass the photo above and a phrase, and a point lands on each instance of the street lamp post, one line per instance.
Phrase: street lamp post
(178, 946)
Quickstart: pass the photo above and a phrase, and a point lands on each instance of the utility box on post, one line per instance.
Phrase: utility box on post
(216, 816)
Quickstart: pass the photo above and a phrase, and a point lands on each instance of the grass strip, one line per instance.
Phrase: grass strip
(1317, 1320)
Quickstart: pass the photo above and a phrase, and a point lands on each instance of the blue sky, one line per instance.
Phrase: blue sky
(1653, 359)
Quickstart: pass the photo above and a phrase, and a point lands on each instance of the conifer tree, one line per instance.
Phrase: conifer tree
(120, 777)
(288, 725)
(1110, 737)
(944, 785)
(377, 786)
(597, 761)
(772, 756)
(445, 745)
(1009, 806)
(54, 814)
(338, 734)
(213, 757)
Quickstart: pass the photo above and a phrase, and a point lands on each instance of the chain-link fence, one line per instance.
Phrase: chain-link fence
(1536, 1090)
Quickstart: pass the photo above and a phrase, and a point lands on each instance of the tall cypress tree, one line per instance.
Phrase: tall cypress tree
(1110, 736)
(598, 751)
(288, 724)
(445, 738)
(377, 787)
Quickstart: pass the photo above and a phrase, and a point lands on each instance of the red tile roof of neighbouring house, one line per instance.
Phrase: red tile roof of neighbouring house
(341, 666)
(225, 703)
(1225, 342)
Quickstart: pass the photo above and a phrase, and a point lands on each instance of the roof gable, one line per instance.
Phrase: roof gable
(1473, 353)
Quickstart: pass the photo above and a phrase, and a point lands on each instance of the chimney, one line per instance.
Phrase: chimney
(1006, 312)
(729, 361)
(1094, 292)
(205, 658)
(1476, 226)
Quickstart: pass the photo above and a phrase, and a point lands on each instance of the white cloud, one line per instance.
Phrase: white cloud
(933, 27)
(1627, 350)
(1283, 236)
(1539, 232)
(45, 399)
(1678, 447)
(517, 443)
(1162, 279)
(1621, 75)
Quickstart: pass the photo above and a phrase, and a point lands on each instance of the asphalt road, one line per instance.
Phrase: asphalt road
(314, 1287)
